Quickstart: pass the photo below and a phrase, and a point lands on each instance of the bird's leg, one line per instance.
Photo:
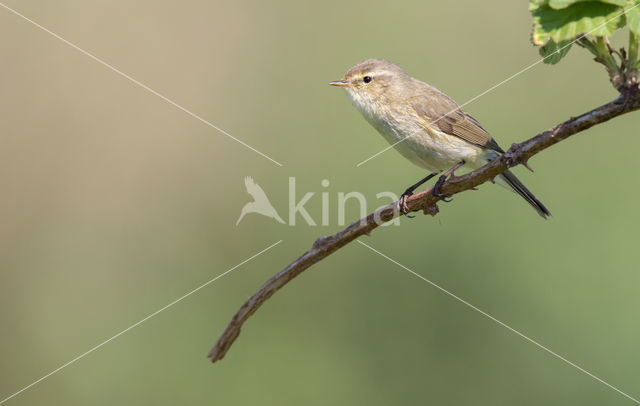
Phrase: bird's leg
(403, 199)
(442, 179)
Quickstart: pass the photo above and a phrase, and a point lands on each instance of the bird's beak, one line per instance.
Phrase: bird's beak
(341, 83)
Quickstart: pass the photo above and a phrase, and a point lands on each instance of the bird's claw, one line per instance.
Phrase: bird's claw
(443, 197)
(436, 189)
(404, 209)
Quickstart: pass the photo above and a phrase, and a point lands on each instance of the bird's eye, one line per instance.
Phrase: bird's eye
(366, 79)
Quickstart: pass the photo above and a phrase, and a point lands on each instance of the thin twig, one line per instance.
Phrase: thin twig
(425, 201)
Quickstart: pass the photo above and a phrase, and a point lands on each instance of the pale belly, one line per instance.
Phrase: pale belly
(430, 149)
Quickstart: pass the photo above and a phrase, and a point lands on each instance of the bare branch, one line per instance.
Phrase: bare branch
(425, 201)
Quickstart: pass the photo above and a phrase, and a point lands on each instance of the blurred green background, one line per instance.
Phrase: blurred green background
(115, 203)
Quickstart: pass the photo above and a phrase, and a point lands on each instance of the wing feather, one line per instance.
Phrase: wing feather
(438, 109)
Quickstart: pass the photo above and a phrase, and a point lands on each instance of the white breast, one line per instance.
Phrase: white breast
(426, 147)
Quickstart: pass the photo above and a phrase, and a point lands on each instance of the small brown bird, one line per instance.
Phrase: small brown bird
(425, 125)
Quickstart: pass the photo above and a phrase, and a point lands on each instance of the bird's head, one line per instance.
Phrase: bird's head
(367, 82)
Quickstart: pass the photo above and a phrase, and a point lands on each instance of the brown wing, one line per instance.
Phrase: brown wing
(439, 110)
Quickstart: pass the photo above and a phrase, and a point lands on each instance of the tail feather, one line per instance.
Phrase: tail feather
(514, 183)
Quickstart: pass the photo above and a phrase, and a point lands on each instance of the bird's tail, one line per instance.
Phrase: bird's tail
(510, 181)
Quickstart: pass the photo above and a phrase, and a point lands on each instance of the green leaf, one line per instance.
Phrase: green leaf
(553, 51)
(560, 4)
(633, 17)
(534, 4)
(583, 17)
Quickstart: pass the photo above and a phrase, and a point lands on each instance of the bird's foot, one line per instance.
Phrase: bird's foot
(404, 209)
(450, 174)
(436, 189)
